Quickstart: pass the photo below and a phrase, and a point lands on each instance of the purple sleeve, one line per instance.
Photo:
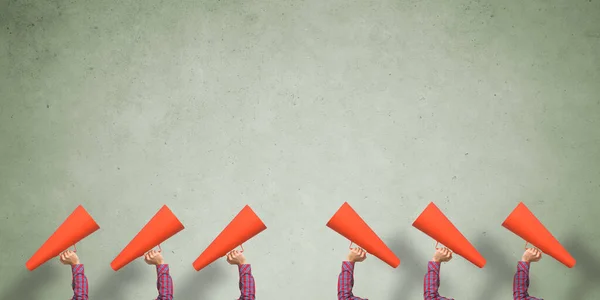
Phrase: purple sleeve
(80, 283)
(247, 285)
(521, 282)
(432, 282)
(346, 282)
(164, 283)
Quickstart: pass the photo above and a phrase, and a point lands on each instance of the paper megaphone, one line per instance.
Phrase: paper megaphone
(243, 227)
(161, 227)
(350, 225)
(74, 229)
(435, 224)
(523, 223)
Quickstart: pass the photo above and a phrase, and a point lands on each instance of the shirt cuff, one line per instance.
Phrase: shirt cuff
(348, 266)
(77, 269)
(523, 266)
(434, 266)
(245, 269)
(162, 269)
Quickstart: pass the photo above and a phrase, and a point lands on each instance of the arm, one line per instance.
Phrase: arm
(80, 283)
(346, 282)
(247, 285)
(164, 282)
(521, 282)
(432, 282)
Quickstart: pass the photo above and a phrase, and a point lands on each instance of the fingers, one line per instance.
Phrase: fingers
(362, 254)
(446, 252)
(232, 254)
(66, 254)
(443, 251)
(151, 255)
(534, 252)
(359, 251)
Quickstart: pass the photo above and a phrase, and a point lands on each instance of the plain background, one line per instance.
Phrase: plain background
(294, 107)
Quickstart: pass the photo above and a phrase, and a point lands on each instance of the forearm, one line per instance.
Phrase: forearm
(80, 283)
(431, 282)
(521, 282)
(247, 284)
(164, 282)
(346, 282)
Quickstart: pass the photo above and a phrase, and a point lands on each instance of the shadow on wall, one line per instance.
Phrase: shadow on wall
(500, 268)
(33, 284)
(115, 284)
(198, 285)
(410, 272)
(586, 268)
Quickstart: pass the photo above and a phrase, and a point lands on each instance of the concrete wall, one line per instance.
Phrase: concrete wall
(294, 107)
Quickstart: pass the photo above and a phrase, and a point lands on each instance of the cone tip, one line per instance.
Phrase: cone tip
(114, 267)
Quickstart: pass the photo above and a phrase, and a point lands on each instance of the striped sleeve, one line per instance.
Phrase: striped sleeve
(247, 285)
(432, 282)
(80, 283)
(521, 282)
(346, 282)
(164, 283)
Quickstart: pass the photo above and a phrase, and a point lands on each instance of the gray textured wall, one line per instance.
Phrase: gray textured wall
(294, 107)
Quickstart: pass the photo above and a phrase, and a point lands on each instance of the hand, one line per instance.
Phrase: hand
(532, 255)
(236, 257)
(69, 258)
(357, 255)
(442, 255)
(154, 257)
